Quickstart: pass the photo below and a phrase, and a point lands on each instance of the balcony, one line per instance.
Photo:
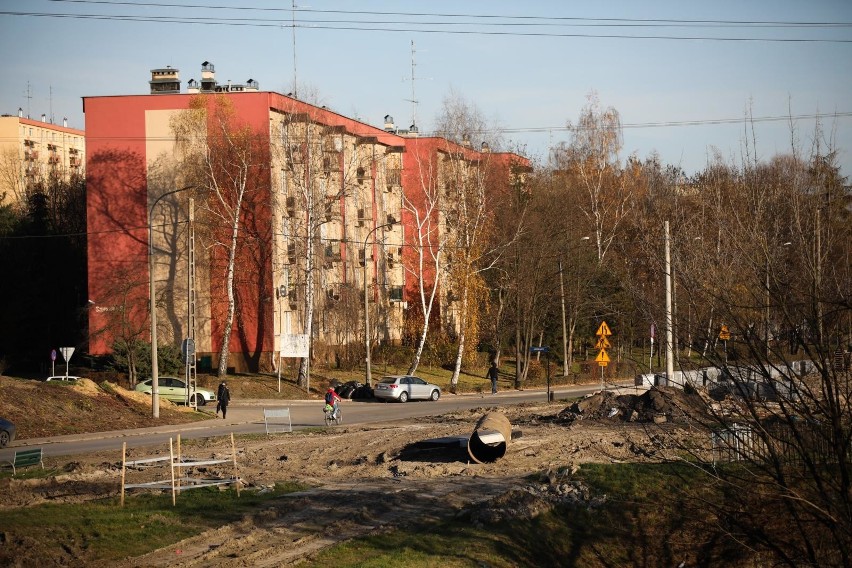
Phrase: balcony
(331, 162)
(393, 178)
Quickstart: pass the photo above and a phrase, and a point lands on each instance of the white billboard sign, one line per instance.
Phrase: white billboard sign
(294, 345)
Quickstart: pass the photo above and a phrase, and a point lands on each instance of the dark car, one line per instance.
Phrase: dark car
(7, 432)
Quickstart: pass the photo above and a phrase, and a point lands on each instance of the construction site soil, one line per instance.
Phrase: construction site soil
(363, 479)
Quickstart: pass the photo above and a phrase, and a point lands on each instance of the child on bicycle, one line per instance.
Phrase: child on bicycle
(333, 399)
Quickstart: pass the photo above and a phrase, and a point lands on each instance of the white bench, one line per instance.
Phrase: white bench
(274, 419)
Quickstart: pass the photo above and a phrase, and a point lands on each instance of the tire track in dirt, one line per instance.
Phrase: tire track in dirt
(299, 525)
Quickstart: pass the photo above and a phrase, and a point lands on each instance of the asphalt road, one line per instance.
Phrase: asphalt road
(246, 417)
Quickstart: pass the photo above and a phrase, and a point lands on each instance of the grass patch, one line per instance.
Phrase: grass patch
(30, 472)
(104, 532)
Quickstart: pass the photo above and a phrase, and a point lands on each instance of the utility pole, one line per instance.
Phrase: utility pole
(669, 322)
(565, 361)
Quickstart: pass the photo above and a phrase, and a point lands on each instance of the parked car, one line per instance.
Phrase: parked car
(7, 432)
(174, 389)
(353, 389)
(404, 388)
(62, 378)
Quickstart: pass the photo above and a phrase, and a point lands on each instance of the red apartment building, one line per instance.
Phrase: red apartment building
(329, 196)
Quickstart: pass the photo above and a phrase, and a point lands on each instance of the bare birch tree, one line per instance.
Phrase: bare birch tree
(428, 244)
(593, 158)
(324, 170)
(230, 163)
(475, 186)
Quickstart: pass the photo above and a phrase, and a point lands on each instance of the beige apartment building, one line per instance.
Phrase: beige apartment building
(36, 150)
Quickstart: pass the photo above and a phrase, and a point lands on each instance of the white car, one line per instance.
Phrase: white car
(174, 389)
(404, 388)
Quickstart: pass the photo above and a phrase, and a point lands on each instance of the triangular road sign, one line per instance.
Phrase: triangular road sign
(603, 343)
(602, 357)
(603, 330)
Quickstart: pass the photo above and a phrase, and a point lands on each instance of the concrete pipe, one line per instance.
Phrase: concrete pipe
(490, 438)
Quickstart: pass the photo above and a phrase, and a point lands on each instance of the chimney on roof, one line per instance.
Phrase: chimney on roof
(165, 81)
(485, 147)
(43, 117)
(465, 141)
(65, 121)
(20, 112)
(412, 131)
(389, 125)
(208, 77)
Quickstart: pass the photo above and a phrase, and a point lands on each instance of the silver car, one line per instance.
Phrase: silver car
(174, 389)
(404, 388)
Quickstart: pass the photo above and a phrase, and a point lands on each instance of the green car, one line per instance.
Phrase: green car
(174, 389)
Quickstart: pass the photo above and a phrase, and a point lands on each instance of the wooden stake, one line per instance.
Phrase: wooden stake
(123, 467)
(236, 472)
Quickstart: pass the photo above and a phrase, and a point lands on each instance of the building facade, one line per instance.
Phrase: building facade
(34, 151)
(327, 228)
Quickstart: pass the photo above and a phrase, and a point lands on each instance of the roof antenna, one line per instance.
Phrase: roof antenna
(413, 99)
(293, 16)
(29, 97)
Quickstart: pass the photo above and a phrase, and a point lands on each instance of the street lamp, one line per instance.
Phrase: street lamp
(566, 362)
(155, 363)
(367, 303)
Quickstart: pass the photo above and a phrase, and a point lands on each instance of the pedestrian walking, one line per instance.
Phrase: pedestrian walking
(493, 373)
(224, 399)
(222, 387)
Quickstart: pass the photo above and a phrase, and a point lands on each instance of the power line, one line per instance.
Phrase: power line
(563, 127)
(643, 21)
(375, 27)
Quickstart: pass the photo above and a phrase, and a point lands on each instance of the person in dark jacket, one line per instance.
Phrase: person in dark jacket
(219, 397)
(493, 373)
(224, 399)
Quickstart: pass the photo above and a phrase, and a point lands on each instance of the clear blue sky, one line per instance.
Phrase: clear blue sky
(528, 66)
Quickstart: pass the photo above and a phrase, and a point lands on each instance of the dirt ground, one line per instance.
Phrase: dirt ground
(367, 479)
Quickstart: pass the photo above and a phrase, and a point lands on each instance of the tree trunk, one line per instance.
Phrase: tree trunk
(225, 350)
(454, 380)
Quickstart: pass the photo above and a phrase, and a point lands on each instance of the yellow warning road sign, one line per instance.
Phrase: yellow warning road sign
(603, 343)
(602, 358)
(724, 334)
(603, 330)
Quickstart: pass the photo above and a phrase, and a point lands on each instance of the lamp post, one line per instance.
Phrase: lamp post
(566, 360)
(155, 363)
(367, 304)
